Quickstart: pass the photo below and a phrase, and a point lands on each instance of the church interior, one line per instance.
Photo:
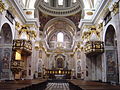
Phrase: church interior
(59, 44)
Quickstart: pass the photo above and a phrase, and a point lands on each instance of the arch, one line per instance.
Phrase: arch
(111, 55)
(52, 39)
(5, 51)
(106, 28)
(56, 25)
(6, 34)
(62, 19)
(110, 36)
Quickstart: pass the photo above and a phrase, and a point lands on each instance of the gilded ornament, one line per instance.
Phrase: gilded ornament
(115, 7)
(100, 25)
(17, 25)
(2, 6)
(89, 13)
(28, 12)
(30, 33)
(87, 34)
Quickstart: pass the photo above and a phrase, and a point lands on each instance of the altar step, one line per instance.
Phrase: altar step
(57, 86)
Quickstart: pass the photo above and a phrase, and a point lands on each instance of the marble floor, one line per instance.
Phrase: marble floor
(57, 86)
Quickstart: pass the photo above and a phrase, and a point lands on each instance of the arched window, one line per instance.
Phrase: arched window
(46, 1)
(60, 37)
(60, 2)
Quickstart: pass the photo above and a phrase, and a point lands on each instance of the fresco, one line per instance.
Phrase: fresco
(5, 51)
(5, 62)
(111, 66)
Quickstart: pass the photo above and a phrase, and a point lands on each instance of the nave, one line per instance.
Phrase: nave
(59, 44)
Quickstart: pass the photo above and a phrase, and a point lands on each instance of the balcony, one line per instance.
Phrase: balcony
(23, 45)
(94, 47)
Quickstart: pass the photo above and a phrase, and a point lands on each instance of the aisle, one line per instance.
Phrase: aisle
(57, 86)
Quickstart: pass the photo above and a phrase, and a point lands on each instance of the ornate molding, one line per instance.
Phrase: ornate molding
(94, 47)
(30, 33)
(91, 30)
(19, 44)
(114, 8)
(2, 6)
(100, 26)
(17, 25)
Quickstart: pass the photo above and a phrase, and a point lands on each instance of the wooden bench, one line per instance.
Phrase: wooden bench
(86, 85)
(14, 85)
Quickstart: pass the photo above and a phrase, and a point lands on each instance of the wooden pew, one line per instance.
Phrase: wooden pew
(14, 85)
(86, 85)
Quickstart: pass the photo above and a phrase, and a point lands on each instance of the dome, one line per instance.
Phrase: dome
(60, 7)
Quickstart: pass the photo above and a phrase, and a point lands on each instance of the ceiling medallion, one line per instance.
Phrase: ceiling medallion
(89, 13)
(29, 12)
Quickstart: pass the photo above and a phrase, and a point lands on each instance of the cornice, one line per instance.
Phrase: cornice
(96, 15)
(22, 15)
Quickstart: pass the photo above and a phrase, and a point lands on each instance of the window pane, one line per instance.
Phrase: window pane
(60, 2)
(60, 37)
(46, 1)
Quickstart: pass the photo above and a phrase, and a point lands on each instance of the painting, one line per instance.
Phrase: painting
(111, 66)
(60, 63)
(110, 36)
(6, 58)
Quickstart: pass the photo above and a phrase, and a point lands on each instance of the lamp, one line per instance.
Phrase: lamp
(59, 71)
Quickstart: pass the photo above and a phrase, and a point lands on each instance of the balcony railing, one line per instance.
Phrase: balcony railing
(94, 47)
(22, 45)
